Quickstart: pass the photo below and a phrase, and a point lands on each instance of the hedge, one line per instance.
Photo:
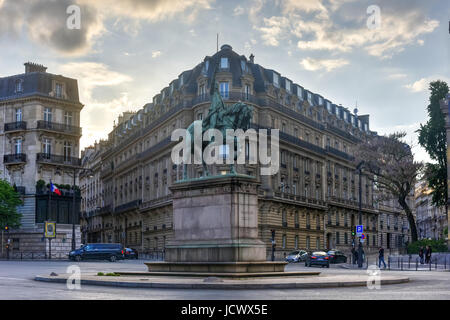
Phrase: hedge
(436, 246)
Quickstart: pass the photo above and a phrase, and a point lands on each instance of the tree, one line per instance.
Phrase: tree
(390, 164)
(432, 137)
(9, 200)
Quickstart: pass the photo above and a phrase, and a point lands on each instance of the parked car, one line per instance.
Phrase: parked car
(98, 251)
(337, 256)
(296, 256)
(319, 258)
(131, 253)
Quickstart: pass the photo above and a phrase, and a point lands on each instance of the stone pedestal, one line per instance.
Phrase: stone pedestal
(215, 221)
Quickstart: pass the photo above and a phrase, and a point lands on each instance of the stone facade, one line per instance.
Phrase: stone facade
(431, 220)
(310, 203)
(39, 140)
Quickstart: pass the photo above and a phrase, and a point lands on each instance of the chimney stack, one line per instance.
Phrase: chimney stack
(252, 58)
(34, 67)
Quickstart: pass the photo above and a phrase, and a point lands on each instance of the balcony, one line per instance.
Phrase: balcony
(15, 126)
(58, 127)
(338, 153)
(57, 159)
(14, 158)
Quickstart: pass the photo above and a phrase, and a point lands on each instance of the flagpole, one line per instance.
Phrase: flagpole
(48, 209)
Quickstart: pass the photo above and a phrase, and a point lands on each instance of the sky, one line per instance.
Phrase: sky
(377, 55)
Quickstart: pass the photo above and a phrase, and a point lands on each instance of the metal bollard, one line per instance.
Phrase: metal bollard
(389, 262)
(435, 263)
(445, 262)
(402, 263)
(429, 262)
(398, 262)
(409, 262)
(417, 263)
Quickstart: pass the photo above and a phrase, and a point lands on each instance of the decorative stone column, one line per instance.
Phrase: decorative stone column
(445, 108)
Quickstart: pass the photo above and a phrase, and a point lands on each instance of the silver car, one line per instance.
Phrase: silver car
(297, 256)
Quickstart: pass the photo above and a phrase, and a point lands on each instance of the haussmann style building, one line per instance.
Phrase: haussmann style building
(39, 141)
(312, 202)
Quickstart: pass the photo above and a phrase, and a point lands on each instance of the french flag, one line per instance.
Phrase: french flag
(54, 189)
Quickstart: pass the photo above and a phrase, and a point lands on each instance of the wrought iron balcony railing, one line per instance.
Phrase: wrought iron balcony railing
(60, 127)
(14, 158)
(14, 126)
(57, 159)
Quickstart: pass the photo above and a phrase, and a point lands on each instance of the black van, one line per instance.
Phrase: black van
(98, 251)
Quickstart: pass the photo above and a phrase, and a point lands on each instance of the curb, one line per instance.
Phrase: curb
(232, 286)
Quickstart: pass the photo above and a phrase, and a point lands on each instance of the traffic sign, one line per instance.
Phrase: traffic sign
(363, 236)
(359, 230)
(50, 229)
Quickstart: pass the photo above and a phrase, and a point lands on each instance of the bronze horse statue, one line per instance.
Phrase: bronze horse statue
(220, 117)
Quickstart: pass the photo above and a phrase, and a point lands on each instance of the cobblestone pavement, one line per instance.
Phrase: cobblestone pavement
(16, 282)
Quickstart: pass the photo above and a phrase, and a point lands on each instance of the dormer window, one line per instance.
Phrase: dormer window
(320, 101)
(224, 63)
(329, 106)
(19, 85)
(288, 86)
(58, 90)
(206, 65)
(299, 92)
(275, 80)
(309, 98)
(181, 80)
(243, 66)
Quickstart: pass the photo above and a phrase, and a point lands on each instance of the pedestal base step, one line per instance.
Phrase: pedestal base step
(224, 275)
(217, 267)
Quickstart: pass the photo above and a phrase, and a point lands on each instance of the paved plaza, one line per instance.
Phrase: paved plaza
(17, 282)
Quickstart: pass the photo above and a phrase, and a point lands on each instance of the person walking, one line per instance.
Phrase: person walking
(381, 257)
(428, 255)
(354, 256)
(421, 255)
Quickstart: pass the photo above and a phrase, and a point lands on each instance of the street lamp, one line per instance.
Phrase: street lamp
(360, 258)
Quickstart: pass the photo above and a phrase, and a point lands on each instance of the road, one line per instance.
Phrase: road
(16, 282)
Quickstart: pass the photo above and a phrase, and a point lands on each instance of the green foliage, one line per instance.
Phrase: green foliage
(436, 245)
(446, 232)
(100, 274)
(432, 137)
(40, 184)
(9, 200)
(112, 274)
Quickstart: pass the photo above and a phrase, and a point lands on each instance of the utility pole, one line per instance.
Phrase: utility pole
(73, 211)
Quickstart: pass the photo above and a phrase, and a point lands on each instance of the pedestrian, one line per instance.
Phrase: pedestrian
(354, 255)
(421, 255)
(381, 257)
(428, 255)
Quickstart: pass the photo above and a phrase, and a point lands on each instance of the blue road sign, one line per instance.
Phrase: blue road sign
(359, 230)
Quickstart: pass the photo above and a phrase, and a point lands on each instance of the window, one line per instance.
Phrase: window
(288, 86)
(318, 243)
(296, 219)
(46, 146)
(202, 91)
(309, 98)
(329, 106)
(58, 90)
(19, 85)
(247, 91)
(181, 81)
(68, 118)
(206, 65)
(243, 66)
(299, 92)
(337, 237)
(346, 238)
(224, 63)
(18, 114)
(67, 150)
(200, 116)
(48, 114)
(18, 146)
(276, 80)
(320, 101)
(294, 188)
(284, 218)
(224, 89)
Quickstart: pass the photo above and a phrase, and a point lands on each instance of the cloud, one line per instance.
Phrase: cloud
(45, 23)
(327, 64)
(238, 11)
(151, 10)
(156, 54)
(91, 75)
(339, 28)
(397, 76)
(423, 83)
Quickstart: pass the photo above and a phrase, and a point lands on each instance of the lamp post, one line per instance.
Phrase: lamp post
(360, 258)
